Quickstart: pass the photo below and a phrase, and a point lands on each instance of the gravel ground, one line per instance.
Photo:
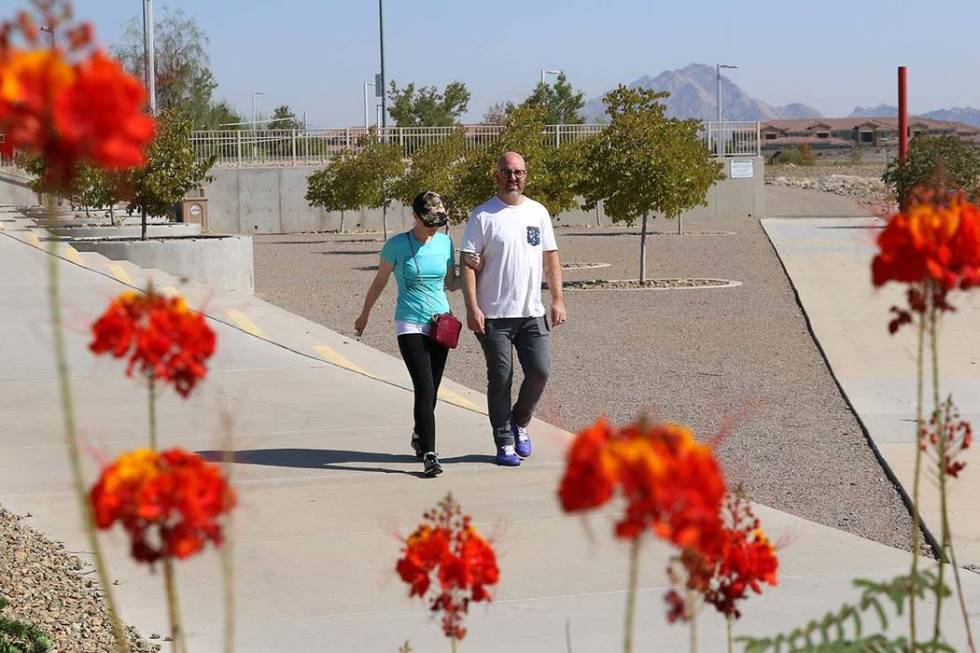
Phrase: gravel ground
(54, 590)
(737, 360)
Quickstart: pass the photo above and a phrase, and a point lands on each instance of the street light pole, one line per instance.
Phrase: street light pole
(381, 32)
(148, 55)
(254, 120)
(367, 122)
(718, 68)
(548, 72)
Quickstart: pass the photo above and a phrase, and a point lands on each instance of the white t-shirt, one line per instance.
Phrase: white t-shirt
(510, 240)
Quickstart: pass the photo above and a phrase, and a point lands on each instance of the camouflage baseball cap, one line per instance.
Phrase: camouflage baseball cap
(429, 208)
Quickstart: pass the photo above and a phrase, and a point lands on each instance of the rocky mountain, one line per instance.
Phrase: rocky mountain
(880, 111)
(968, 115)
(693, 92)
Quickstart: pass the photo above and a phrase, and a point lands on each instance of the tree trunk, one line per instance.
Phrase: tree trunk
(643, 250)
(112, 215)
(384, 221)
(143, 223)
(680, 224)
(597, 223)
(341, 221)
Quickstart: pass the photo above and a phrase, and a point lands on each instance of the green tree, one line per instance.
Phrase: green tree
(645, 163)
(283, 118)
(560, 101)
(97, 188)
(333, 188)
(183, 78)
(425, 106)
(365, 179)
(172, 168)
(440, 167)
(548, 181)
(939, 163)
(222, 116)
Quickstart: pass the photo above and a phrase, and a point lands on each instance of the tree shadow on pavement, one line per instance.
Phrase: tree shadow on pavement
(330, 459)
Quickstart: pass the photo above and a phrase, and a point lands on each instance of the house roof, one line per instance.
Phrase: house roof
(813, 141)
(884, 122)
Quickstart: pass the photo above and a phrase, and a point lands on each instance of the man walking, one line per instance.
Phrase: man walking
(507, 244)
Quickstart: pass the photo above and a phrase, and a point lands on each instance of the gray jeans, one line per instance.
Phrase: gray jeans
(530, 336)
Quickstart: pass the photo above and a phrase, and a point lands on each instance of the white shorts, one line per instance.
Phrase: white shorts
(402, 327)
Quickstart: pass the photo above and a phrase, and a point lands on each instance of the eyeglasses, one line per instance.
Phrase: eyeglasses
(516, 174)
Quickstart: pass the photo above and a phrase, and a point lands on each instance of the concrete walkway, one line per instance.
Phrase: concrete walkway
(829, 262)
(326, 482)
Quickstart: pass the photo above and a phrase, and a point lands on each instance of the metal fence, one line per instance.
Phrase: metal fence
(258, 148)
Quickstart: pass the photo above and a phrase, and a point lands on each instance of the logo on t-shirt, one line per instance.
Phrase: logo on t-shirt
(533, 236)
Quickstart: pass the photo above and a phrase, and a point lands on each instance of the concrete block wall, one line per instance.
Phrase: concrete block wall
(14, 189)
(272, 200)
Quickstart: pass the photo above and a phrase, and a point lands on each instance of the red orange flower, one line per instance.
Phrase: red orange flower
(948, 441)
(671, 483)
(743, 560)
(169, 502)
(163, 338)
(66, 102)
(934, 247)
(446, 547)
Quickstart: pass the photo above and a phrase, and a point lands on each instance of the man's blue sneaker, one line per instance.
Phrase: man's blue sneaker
(523, 441)
(506, 456)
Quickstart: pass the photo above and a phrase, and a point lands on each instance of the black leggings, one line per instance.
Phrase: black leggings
(425, 361)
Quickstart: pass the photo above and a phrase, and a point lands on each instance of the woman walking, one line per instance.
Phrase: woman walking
(424, 264)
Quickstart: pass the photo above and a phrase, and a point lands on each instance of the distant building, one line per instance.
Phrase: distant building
(839, 133)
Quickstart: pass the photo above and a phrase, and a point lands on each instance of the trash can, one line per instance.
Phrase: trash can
(195, 211)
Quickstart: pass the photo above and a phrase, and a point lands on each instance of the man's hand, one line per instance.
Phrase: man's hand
(558, 315)
(475, 320)
(473, 261)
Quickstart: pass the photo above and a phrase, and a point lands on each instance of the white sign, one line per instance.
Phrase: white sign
(741, 169)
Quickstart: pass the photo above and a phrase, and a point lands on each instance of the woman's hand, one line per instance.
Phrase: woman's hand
(360, 323)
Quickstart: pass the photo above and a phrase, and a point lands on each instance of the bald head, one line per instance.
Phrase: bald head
(511, 176)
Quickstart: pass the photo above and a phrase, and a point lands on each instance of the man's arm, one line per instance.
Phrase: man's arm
(552, 270)
(474, 316)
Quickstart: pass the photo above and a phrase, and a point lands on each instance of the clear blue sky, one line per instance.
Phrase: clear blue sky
(833, 55)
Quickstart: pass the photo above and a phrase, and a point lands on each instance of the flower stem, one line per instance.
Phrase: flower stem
(941, 463)
(227, 552)
(729, 624)
(634, 572)
(916, 515)
(173, 608)
(153, 412)
(693, 634)
(74, 456)
(452, 644)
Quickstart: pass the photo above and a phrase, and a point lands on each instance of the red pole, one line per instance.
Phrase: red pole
(903, 114)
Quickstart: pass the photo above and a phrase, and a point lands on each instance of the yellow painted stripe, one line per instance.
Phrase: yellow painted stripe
(119, 273)
(458, 400)
(72, 255)
(337, 358)
(245, 324)
(32, 238)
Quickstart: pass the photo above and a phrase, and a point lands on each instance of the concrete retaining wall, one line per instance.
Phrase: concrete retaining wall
(168, 230)
(14, 189)
(221, 261)
(272, 200)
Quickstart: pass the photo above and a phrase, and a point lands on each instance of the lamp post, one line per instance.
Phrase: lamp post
(545, 72)
(381, 78)
(367, 122)
(718, 68)
(254, 120)
(148, 54)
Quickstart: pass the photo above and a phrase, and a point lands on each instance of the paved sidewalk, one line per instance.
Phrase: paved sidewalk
(326, 483)
(829, 262)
